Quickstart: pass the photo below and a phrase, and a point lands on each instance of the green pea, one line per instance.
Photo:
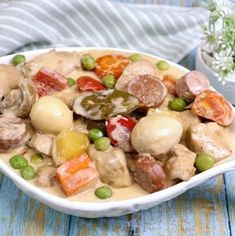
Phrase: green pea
(135, 57)
(109, 81)
(88, 62)
(18, 161)
(37, 158)
(28, 172)
(162, 65)
(177, 104)
(103, 192)
(18, 59)
(70, 81)
(102, 144)
(204, 162)
(94, 134)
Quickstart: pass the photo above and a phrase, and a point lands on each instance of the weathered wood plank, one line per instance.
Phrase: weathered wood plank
(200, 211)
(230, 191)
(21, 215)
(1, 176)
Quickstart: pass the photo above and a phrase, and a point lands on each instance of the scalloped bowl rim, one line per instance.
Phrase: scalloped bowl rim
(104, 208)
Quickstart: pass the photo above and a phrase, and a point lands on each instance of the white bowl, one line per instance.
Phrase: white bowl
(110, 209)
(228, 89)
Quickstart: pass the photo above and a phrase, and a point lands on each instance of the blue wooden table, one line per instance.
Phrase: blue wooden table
(208, 209)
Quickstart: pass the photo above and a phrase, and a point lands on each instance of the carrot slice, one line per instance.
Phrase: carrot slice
(76, 175)
(111, 65)
(213, 106)
(170, 82)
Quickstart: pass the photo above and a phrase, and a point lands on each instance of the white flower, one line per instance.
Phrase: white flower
(224, 8)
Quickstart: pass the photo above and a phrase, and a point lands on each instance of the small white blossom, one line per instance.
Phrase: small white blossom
(219, 37)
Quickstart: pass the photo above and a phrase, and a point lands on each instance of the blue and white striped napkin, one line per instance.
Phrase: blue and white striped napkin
(166, 31)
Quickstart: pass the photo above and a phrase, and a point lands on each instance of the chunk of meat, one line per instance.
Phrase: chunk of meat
(10, 76)
(111, 65)
(147, 172)
(42, 143)
(112, 166)
(213, 106)
(191, 84)
(150, 90)
(210, 138)
(63, 63)
(181, 163)
(46, 175)
(67, 95)
(119, 131)
(187, 119)
(47, 81)
(142, 67)
(13, 132)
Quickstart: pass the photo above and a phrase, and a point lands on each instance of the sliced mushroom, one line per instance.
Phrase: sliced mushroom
(29, 97)
(19, 101)
(46, 175)
(11, 102)
(42, 143)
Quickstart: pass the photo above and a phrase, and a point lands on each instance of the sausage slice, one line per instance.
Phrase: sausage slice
(213, 106)
(147, 172)
(12, 132)
(150, 90)
(191, 84)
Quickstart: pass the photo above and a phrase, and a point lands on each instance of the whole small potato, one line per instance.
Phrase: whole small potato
(156, 134)
(51, 115)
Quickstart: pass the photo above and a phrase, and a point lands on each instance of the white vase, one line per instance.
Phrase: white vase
(228, 89)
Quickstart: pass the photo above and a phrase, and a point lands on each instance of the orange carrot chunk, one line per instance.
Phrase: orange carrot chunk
(76, 175)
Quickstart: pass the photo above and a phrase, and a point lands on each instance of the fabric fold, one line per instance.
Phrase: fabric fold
(165, 31)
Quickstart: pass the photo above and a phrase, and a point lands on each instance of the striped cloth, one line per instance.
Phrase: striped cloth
(166, 31)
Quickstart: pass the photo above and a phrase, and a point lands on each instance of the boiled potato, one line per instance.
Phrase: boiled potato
(51, 115)
(156, 134)
(69, 144)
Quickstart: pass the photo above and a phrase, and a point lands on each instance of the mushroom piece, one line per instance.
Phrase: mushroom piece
(46, 176)
(42, 143)
(29, 97)
(111, 166)
(19, 101)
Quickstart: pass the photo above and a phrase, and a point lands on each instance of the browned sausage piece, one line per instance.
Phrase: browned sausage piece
(150, 90)
(191, 84)
(12, 132)
(147, 172)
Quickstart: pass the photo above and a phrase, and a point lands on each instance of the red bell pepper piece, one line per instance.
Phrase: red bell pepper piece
(48, 81)
(87, 83)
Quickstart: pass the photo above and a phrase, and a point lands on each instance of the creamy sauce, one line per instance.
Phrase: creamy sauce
(88, 195)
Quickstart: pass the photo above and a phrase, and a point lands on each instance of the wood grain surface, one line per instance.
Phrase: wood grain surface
(208, 209)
